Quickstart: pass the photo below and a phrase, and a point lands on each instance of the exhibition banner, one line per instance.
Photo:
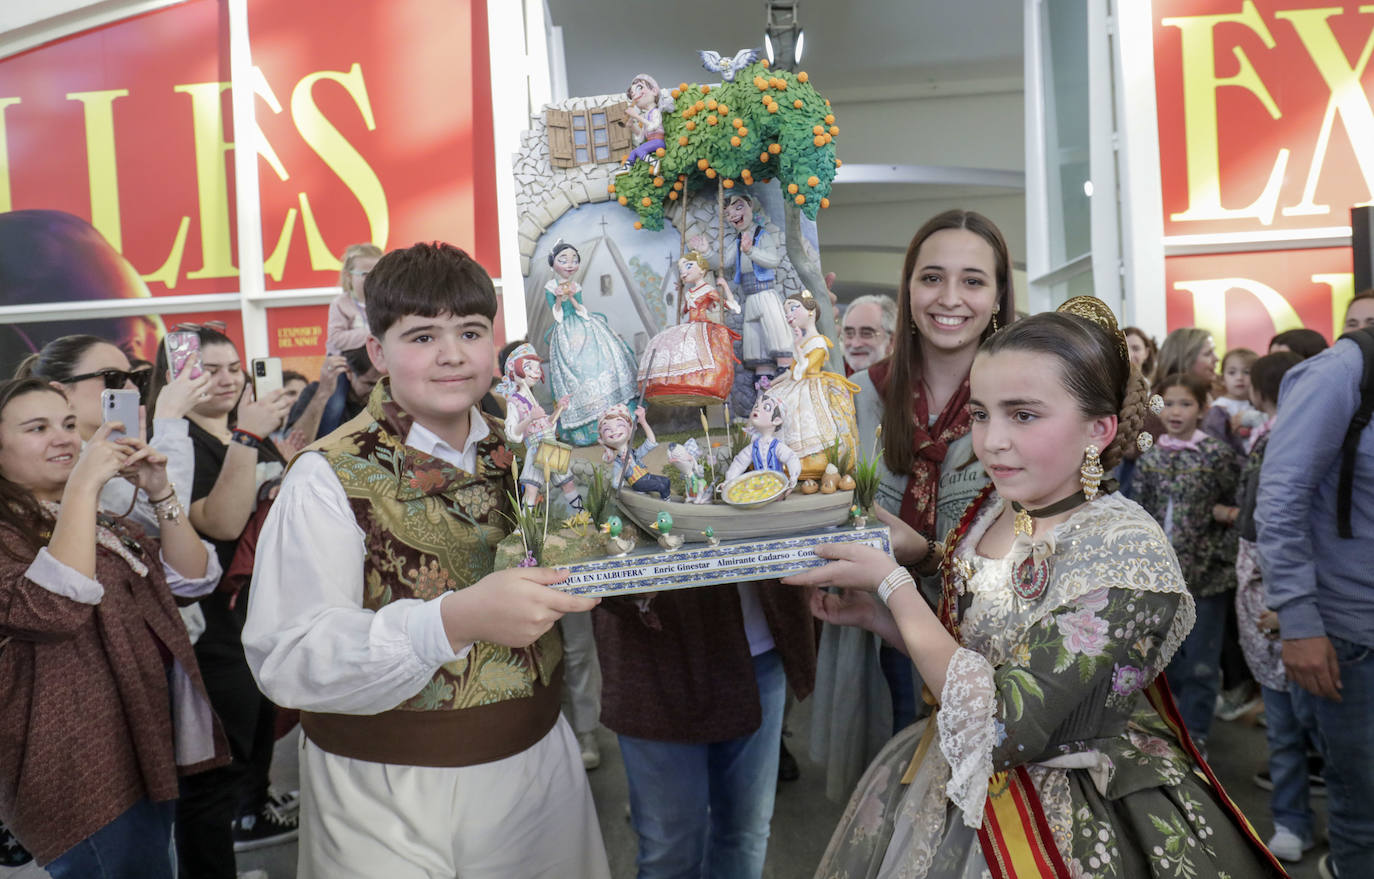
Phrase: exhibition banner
(1265, 130)
(374, 121)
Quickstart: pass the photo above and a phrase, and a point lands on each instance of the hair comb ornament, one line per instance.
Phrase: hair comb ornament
(1144, 440)
(1156, 404)
(1094, 309)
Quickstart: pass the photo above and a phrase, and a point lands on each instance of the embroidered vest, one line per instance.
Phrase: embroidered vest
(432, 528)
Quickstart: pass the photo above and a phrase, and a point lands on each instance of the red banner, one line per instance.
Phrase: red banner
(375, 122)
(1265, 125)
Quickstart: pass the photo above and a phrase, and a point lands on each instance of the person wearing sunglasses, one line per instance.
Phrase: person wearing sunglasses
(82, 367)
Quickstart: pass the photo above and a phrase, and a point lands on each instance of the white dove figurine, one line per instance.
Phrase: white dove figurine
(713, 62)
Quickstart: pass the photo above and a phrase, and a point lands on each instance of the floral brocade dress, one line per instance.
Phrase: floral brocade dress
(1051, 689)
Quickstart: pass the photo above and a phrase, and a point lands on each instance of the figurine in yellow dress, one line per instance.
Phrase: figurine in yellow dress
(819, 404)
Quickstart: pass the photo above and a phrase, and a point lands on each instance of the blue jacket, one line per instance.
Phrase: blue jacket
(1318, 583)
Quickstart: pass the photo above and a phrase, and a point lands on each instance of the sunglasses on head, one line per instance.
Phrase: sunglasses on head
(218, 326)
(116, 378)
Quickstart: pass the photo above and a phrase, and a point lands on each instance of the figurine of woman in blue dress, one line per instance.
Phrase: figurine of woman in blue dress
(588, 363)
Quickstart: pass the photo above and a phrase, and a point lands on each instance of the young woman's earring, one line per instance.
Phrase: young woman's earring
(1091, 472)
(994, 322)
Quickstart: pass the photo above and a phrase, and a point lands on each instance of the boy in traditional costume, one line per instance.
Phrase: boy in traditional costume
(428, 685)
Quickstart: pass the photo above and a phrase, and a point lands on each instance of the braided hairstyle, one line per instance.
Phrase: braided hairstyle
(1096, 369)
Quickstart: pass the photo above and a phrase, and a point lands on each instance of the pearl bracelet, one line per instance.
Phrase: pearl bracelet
(898, 577)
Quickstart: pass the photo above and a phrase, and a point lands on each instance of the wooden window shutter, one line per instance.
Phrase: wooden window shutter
(559, 125)
(618, 126)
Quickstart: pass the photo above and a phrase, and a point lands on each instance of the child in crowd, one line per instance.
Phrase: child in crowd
(1285, 728)
(347, 325)
(1187, 481)
(1232, 418)
(428, 684)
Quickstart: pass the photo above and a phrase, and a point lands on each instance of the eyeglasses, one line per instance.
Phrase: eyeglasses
(117, 378)
(868, 334)
(218, 326)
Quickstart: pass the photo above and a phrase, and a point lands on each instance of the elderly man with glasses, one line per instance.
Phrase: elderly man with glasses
(866, 331)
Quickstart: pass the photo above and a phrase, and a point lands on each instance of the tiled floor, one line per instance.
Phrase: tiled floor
(803, 818)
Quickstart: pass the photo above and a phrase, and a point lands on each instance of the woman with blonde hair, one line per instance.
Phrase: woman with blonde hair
(1188, 350)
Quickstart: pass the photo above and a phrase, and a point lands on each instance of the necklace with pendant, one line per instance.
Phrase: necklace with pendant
(1030, 577)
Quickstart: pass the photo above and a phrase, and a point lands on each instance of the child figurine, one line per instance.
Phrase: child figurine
(686, 457)
(693, 363)
(820, 404)
(528, 423)
(627, 465)
(766, 451)
(588, 363)
(647, 106)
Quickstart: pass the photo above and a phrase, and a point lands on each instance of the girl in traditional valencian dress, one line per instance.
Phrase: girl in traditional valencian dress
(693, 363)
(819, 404)
(1055, 749)
(588, 363)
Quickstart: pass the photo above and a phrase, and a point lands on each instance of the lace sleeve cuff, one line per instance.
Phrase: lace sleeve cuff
(968, 731)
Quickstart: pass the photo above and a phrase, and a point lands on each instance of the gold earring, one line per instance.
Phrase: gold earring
(1091, 473)
(994, 322)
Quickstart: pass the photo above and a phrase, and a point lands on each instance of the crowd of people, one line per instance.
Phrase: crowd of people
(1098, 545)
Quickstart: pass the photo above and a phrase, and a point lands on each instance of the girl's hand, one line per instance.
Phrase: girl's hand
(100, 461)
(853, 566)
(848, 607)
(180, 395)
(908, 546)
(145, 467)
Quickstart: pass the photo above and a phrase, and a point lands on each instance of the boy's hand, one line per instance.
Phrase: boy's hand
(513, 608)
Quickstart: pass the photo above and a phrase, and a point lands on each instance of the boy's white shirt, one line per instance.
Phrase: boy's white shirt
(308, 639)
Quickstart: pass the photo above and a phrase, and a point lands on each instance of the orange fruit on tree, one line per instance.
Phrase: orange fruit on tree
(797, 103)
(673, 195)
(660, 152)
(774, 148)
(711, 172)
(792, 188)
(723, 109)
(702, 164)
(827, 102)
(772, 108)
(803, 76)
(735, 141)
(690, 125)
(825, 202)
(611, 189)
(682, 141)
(763, 157)
(801, 199)
(711, 120)
(813, 180)
(835, 130)
(830, 119)
(638, 225)
(677, 94)
(682, 86)
(827, 137)
(760, 83)
(743, 132)
(705, 89)
(623, 200)
(818, 140)
(646, 201)
(728, 183)
(764, 62)
(677, 185)
(658, 181)
(711, 104)
(838, 163)
(782, 84)
(816, 129)
(737, 122)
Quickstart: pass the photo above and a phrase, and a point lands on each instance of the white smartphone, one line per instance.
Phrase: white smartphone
(121, 406)
(266, 376)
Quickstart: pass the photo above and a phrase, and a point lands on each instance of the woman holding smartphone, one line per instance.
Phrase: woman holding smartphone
(82, 367)
(88, 772)
(227, 808)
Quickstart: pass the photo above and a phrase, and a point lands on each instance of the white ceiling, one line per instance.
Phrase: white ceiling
(848, 44)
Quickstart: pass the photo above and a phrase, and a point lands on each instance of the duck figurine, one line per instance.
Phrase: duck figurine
(616, 541)
(710, 535)
(664, 525)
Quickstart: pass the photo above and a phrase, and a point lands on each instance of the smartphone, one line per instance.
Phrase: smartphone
(121, 406)
(183, 350)
(266, 376)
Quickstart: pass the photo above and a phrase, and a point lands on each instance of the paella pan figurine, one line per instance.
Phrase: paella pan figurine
(546, 459)
(766, 451)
